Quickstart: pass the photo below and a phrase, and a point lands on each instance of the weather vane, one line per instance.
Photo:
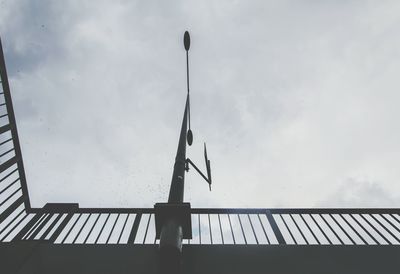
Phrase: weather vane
(189, 136)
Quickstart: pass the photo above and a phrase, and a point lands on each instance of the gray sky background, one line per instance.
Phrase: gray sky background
(298, 100)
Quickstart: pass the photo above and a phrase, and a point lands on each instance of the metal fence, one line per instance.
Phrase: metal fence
(209, 226)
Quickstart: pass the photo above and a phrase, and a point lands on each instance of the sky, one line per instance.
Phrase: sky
(298, 101)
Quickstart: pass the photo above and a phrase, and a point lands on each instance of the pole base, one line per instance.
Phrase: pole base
(179, 212)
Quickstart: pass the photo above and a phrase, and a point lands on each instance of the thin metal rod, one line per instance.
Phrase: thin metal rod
(230, 224)
(365, 230)
(374, 228)
(123, 228)
(101, 231)
(220, 229)
(288, 229)
(187, 82)
(340, 227)
(320, 229)
(12, 229)
(29, 227)
(199, 229)
(72, 227)
(80, 230)
(209, 226)
(252, 228)
(390, 222)
(43, 237)
(15, 217)
(9, 197)
(6, 141)
(262, 226)
(298, 228)
(134, 229)
(8, 151)
(309, 228)
(147, 228)
(112, 229)
(16, 180)
(334, 232)
(384, 227)
(241, 226)
(8, 175)
(91, 229)
(355, 230)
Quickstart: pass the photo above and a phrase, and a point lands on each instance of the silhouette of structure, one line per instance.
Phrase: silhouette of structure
(175, 238)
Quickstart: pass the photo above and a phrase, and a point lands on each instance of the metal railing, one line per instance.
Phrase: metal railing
(73, 225)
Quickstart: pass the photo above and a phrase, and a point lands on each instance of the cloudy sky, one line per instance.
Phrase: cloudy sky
(298, 101)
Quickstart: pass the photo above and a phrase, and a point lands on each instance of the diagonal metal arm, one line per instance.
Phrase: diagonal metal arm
(208, 180)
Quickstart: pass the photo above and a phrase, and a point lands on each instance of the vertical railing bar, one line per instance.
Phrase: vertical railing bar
(69, 231)
(9, 197)
(8, 175)
(43, 237)
(147, 228)
(16, 180)
(309, 228)
(355, 230)
(241, 226)
(15, 217)
(199, 228)
(320, 229)
(262, 226)
(342, 228)
(91, 229)
(27, 235)
(252, 228)
(390, 222)
(275, 227)
(134, 228)
(61, 227)
(298, 228)
(80, 230)
(230, 224)
(40, 227)
(373, 227)
(102, 228)
(384, 227)
(112, 229)
(365, 230)
(12, 229)
(288, 229)
(123, 228)
(8, 151)
(394, 217)
(27, 228)
(220, 229)
(209, 226)
(329, 226)
(6, 141)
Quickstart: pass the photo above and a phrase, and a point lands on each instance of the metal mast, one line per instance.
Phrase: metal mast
(173, 220)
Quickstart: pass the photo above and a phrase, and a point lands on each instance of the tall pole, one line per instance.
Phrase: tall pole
(171, 232)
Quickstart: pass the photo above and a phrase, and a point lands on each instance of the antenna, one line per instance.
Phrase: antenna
(189, 136)
(186, 43)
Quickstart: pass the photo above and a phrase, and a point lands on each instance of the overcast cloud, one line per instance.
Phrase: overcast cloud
(298, 100)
